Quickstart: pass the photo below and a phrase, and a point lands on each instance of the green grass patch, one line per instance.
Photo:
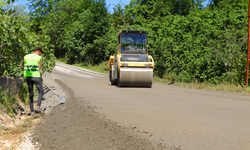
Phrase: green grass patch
(226, 87)
(26, 125)
(62, 60)
(23, 93)
(102, 67)
(8, 102)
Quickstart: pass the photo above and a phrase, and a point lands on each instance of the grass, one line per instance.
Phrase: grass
(23, 93)
(227, 87)
(11, 104)
(10, 101)
(23, 127)
(12, 134)
(102, 67)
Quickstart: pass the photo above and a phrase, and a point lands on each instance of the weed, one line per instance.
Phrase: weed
(227, 87)
(23, 93)
(7, 102)
(25, 126)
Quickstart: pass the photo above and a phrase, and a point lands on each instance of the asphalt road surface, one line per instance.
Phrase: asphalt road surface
(188, 118)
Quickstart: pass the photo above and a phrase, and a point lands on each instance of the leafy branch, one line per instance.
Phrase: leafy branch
(9, 30)
(233, 46)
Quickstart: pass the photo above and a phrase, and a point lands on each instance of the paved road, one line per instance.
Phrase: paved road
(189, 118)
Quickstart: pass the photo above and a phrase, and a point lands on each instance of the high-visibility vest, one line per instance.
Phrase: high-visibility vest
(31, 68)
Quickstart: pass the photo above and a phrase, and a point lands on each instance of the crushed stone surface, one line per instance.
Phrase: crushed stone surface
(27, 143)
(50, 101)
(74, 125)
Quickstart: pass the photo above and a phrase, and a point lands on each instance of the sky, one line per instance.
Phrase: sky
(110, 3)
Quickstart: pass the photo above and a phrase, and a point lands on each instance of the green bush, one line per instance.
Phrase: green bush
(7, 102)
(23, 93)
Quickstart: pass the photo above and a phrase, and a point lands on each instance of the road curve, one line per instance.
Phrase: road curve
(190, 118)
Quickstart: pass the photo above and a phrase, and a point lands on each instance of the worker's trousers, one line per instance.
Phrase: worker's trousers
(38, 82)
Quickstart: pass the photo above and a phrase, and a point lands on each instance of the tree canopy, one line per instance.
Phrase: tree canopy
(17, 40)
(188, 41)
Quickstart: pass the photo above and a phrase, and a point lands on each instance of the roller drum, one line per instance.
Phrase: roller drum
(142, 77)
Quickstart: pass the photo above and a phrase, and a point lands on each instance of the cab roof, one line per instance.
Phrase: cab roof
(132, 32)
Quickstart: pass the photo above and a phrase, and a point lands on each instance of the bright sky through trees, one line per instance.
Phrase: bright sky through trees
(109, 3)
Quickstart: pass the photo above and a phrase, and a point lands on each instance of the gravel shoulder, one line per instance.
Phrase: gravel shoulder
(50, 99)
(75, 125)
(49, 102)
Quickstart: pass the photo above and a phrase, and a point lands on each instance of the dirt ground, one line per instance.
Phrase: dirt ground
(15, 132)
(74, 125)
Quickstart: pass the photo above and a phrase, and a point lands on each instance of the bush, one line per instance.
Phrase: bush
(7, 102)
(23, 93)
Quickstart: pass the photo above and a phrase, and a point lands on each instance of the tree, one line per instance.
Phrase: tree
(118, 17)
(39, 9)
(75, 26)
(228, 46)
(16, 40)
(228, 4)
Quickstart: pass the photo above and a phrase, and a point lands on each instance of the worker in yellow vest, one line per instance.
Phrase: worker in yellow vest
(32, 66)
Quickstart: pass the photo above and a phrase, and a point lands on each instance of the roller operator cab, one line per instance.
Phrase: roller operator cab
(132, 66)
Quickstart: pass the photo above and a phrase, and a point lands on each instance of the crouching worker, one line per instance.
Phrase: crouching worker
(32, 66)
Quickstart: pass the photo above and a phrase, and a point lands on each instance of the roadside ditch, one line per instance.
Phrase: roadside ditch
(16, 132)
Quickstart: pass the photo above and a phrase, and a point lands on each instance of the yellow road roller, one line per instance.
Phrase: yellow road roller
(132, 66)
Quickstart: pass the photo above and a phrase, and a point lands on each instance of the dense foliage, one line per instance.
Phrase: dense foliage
(187, 40)
(207, 44)
(17, 40)
(79, 30)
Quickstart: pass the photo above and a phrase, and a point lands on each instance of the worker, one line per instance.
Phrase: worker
(32, 66)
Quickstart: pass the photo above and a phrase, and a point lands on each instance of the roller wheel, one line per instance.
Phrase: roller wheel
(112, 81)
(110, 77)
(118, 79)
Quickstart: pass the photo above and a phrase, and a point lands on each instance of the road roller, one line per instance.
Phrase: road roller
(132, 66)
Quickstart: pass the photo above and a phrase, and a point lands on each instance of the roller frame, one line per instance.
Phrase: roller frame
(130, 73)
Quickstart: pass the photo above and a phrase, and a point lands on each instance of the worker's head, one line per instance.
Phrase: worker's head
(38, 51)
